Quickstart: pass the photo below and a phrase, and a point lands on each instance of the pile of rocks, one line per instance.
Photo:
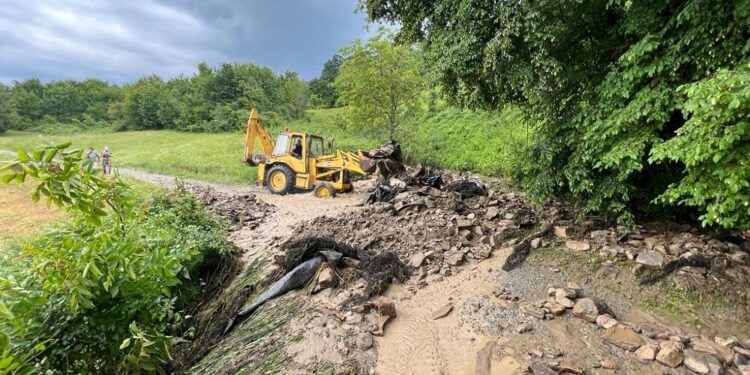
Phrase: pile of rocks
(241, 210)
(665, 248)
(701, 354)
(434, 231)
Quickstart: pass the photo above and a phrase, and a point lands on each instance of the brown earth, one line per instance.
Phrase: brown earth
(498, 322)
(20, 216)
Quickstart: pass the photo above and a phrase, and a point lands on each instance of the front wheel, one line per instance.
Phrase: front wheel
(280, 180)
(324, 190)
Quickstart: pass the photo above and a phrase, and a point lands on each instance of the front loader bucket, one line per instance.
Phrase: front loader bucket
(368, 165)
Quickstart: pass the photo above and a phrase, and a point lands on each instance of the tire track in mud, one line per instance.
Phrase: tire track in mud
(415, 333)
(414, 343)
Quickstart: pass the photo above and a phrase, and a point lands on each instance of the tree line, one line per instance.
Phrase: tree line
(214, 99)
(638, 107)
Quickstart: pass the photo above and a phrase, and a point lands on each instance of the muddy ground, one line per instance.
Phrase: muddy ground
(458, 311)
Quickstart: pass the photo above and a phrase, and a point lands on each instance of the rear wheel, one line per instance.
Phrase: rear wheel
(324, 190)
(280, 180)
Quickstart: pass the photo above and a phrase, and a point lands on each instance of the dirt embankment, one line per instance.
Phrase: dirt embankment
(580, 297)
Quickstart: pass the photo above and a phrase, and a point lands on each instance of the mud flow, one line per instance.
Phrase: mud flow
(435, 272)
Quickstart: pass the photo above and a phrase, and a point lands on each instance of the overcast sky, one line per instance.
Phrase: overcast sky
(122, 40)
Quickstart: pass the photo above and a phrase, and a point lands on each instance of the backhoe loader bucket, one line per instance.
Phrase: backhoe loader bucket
(368, 165)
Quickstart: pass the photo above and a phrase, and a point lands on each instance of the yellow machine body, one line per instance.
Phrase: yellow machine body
(312, 169)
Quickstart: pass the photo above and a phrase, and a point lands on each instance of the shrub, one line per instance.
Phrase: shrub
(101, 293)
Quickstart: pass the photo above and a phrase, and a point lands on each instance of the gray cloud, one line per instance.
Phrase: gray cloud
(122, 40)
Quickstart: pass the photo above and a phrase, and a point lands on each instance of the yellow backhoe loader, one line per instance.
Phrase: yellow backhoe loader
(298, 160)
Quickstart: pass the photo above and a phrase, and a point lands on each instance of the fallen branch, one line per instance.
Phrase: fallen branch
(523, 248)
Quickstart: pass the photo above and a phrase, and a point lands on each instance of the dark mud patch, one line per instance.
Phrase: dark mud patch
(377, 269)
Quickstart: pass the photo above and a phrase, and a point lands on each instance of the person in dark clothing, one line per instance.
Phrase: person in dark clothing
(297, 149)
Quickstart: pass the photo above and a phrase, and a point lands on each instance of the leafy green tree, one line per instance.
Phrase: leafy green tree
(380, 83)
(27, 99)
(599, 79)
(295, 94)
(8, 118)
(322, 87)
(714, 146)
(148, 105)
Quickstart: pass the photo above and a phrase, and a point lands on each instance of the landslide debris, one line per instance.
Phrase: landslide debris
(241, 210)
(377, 268)
(432, 220)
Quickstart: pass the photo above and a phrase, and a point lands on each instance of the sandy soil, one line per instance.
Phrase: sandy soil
(20, 216)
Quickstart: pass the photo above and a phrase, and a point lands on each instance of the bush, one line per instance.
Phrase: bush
(105, 289)
(713, 145)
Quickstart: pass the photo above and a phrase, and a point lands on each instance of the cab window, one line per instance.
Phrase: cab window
(316, 146)
(282, 144)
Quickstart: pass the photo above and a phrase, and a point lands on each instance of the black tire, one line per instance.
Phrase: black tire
(285, 188)
(324, 190)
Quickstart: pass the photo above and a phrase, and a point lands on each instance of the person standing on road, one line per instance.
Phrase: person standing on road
(107, 160)
(92, 155)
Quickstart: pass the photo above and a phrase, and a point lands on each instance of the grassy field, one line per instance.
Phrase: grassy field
(216, 157)
(483, 142)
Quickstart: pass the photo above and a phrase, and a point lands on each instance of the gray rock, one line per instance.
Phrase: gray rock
(462, 223)
(454, 258)
(539, 369)
(702, 363)
(534, 311)
(523, 328)
(703, 344)
(586, 309)
(563, 232)
(670, 354)
(647, 352)
(536, 243)
(600, 234)
(577, 245)
(417, 260)
(650, 259)
(605, 321)
(623, 337)
(442, 312)
(739, 360)
(364, 341)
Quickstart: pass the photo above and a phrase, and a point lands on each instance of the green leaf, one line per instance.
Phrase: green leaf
(22, 155)
(9, 166)
(37, 155)
(6, 178)
(64, 145)
(51, 155)
(5, 363)
(5, 312)
(125, 343)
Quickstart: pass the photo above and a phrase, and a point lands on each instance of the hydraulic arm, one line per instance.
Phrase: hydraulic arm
(255, 130)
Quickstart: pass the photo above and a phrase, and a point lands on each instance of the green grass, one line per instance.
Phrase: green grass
(214, 157)
(483, 142)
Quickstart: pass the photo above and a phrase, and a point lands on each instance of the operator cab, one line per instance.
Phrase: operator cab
(285, 142)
